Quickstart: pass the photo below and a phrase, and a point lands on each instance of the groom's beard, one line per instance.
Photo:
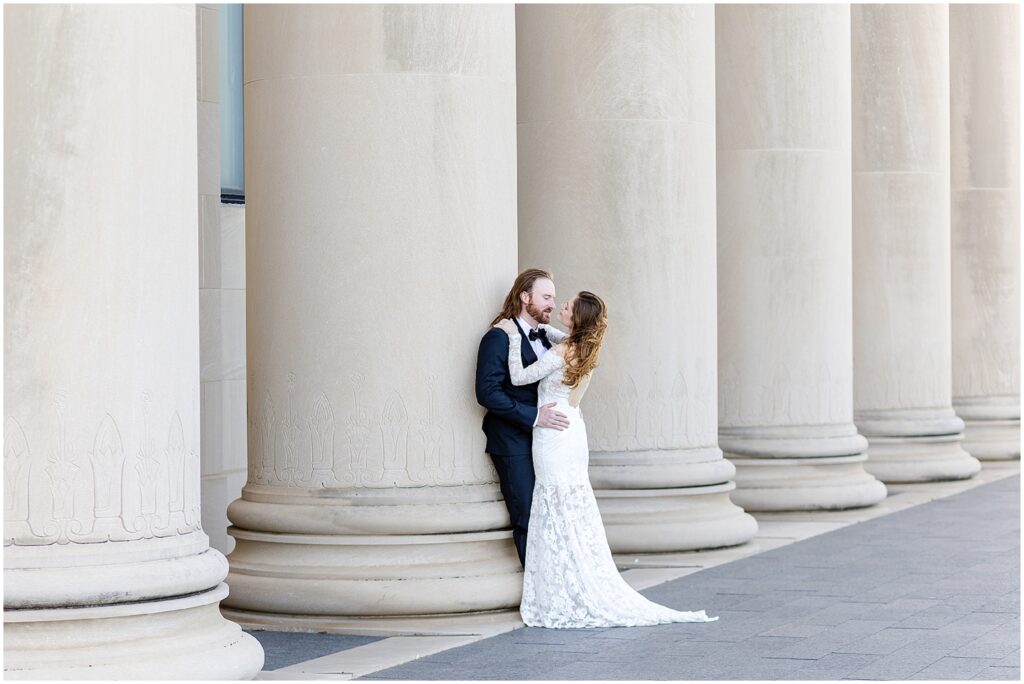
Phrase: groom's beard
(539, 315)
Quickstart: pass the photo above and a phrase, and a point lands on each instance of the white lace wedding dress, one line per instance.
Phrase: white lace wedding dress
(570, 580)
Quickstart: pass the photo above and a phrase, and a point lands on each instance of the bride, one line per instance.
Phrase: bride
(570, 579)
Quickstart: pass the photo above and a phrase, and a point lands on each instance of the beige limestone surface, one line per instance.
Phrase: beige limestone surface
(901, 244)
(103, 547)
(785, 373)
(617, 196)
(380, 152)
(222, 404)
(984, 52)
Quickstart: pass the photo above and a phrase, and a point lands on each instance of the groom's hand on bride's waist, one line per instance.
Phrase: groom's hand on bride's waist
(548, 417)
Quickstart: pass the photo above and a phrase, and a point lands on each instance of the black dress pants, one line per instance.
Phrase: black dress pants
(516, 476)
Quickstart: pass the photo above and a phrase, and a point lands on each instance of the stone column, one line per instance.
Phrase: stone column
(617, 195)
(901, 276)
(784, 258)
(984, 47)
(380, 241)
(107, 571)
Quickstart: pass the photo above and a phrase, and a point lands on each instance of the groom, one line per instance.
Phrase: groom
(512, 411)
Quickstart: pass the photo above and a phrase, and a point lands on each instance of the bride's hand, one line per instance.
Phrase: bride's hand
(507, 325)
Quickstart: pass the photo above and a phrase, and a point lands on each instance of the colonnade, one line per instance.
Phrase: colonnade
(760, 193)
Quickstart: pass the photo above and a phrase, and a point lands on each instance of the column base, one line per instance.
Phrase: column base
(668, 520)
(175, 638)
(920, 459)
(668, 500)
(992, 426)
(146, 571)
(805, 484)
(800, 467)
(309, 577)
(992, 440)
(446, 624)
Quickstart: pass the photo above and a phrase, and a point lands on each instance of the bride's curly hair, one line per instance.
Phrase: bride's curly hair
(582, 347)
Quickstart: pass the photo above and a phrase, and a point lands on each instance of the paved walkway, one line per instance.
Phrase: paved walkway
(930, 592)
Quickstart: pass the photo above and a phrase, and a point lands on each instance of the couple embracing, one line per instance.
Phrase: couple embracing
(530, 376)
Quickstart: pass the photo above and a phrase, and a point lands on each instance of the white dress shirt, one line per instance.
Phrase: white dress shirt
(538, 347)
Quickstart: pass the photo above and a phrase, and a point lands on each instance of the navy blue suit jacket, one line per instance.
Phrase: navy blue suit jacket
(511, 410)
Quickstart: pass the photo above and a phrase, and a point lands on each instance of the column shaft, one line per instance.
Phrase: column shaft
(984, 51)
(107, 571)
(616, 196)
(784, 258)
(901, 269)
(380, 235)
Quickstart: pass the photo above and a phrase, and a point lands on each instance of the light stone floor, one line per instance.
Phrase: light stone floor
(361, 649)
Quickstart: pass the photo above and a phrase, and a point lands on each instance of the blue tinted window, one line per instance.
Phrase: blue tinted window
(232, 156)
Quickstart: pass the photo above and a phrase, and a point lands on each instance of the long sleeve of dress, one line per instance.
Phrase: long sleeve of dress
(555, 336)
(535, 371)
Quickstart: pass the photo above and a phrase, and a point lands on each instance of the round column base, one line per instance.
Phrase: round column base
(175, 638)
(679, 519)
(805, 484)
(992, 440)
(345, 576)
(920, 459)
(423, 625)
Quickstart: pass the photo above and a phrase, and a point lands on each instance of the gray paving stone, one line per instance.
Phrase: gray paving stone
(681, 667)
(734, 627)
(899, 664)
(728, 666)
(833, 666)
(885, 642)
(999, 673)
(282, 649)
(834, 640)
(997, 644)
(955, 635)
(895, 597)
(953, 668)
(935, 617)
(1002, 605)
(842, 611)
(1012, 660)
(795, 629)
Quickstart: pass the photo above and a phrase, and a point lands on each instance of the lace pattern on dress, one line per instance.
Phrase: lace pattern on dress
(570, 579)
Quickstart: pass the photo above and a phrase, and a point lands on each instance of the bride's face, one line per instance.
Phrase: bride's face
(565, 313)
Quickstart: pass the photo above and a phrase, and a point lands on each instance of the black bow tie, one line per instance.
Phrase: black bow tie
(542, 335)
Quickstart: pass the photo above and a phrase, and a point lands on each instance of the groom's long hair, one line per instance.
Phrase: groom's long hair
(524, 283)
